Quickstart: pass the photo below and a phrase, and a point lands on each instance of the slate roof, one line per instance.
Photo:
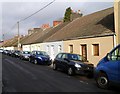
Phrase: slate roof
(100, 23)
(34, 36)
(51, 32)
(10, 42)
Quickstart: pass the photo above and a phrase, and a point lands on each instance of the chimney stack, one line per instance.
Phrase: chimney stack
(117, 20)
(45, 26)
(78, 11)
(55, 23)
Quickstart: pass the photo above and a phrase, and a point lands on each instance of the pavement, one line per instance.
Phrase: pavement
(22, 76)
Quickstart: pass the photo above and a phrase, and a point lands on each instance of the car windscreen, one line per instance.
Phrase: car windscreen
(75, 57)
(17, 51)
(41, 53)
(26, 52)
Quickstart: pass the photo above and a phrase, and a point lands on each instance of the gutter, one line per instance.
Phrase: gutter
(114, 40)
(92, 36)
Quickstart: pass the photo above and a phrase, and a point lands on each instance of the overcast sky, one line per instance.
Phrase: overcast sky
(15, 11)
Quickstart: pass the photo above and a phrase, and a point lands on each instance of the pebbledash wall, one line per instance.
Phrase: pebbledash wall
(26, 47)
(10, 48)
(52, 48)
(117, 20)
(105, 45)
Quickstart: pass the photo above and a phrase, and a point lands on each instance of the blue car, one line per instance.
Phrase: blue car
(40, 57)
(107, 72)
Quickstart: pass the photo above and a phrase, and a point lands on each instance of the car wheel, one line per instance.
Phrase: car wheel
(54, 67)
(35, 61)
(29, 60)
(70, 71)
(102, 81)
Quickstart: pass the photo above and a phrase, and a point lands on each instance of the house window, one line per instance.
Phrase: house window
(59, 48)
(96, 49)
(71, 48)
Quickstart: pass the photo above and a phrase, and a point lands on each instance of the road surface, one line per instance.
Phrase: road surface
(22, 76)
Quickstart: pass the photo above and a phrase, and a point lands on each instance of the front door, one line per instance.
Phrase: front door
(84, 51)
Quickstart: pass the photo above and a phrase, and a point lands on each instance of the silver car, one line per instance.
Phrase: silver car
(25, 55)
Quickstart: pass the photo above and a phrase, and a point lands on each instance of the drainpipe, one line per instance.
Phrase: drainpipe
(117, 20)
(114, 40)
(30, 47)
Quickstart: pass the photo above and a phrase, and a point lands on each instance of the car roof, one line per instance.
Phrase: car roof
(69, 53)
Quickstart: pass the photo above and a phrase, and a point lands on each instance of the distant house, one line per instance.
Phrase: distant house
(12, 44)
(54, 47)
(8, 44)
(26, 43)
(91, 36)
(51, 47)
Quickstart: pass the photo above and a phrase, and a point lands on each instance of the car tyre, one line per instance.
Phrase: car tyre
(54, 66)
(35, 61)
(102, 81)
(70, 71)
(29, 60)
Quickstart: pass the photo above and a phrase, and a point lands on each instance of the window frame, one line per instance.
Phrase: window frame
(71, 46)
(96, 49)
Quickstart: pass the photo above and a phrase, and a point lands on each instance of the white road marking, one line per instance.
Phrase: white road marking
(21, 68)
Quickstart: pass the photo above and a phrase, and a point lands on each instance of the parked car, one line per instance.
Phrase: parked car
(1, 50)
(24, 55)
(73, 64)
(10, 52)
(40, 57)
(16, 53)
(5, 52)
(107, 72)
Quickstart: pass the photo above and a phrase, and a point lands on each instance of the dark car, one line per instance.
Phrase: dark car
(16, 53)
(73, 64)
(5, 52)
(1, 50)
(40, 57)
(24, 55)
(10, 52)
(107, 72)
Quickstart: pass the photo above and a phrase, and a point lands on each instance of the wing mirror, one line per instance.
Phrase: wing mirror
(108, 56)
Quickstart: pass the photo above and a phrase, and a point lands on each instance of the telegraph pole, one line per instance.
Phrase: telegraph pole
(3, 41)
(18, 37)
